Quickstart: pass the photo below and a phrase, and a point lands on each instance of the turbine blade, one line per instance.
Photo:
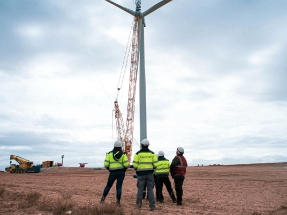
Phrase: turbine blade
(123, 8)
(155, 7)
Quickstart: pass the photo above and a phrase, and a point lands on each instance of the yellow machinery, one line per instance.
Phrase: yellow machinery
(24, 166)
(8, 169)
(46, 164)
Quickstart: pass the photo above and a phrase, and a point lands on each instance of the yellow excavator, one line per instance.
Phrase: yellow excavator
(23, 166)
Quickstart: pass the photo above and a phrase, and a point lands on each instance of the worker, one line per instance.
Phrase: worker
(161, 174)
(178, 171)
(116, 162)
(144, 163)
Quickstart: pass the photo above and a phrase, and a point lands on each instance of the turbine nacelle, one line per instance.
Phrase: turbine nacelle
(138, 12)
(138, 5)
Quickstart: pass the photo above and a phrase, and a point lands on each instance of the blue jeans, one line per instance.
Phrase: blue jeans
(148, 181)
(119, 176)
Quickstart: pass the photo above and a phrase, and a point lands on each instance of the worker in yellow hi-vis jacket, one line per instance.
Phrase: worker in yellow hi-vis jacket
(116, 162)
(161, 174)
(144, 163)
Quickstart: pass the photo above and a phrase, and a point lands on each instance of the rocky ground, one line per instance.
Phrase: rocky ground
(208, 190)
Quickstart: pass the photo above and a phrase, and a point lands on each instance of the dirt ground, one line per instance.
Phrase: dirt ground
(208, 190)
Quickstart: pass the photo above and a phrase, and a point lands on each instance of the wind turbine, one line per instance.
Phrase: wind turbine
(142, 82)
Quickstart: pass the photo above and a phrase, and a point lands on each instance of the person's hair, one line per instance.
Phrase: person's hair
(118, 148)
(144, 147)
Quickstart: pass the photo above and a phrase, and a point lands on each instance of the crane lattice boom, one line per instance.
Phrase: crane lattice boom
(126, 135)
(119, 122)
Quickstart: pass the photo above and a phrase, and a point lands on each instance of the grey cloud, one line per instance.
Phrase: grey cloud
(60, 33)
(260, 141)
(36, 147)
(240, 160)
(226, 36)
(268, 83)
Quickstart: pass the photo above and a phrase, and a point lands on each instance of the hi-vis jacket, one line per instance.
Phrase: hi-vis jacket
(162, 167)
(144, 162)
(116, 161)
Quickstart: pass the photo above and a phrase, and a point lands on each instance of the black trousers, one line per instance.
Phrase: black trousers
(178, 182)
(159, 182)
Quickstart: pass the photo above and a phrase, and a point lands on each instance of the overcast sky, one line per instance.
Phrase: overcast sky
(216, 74)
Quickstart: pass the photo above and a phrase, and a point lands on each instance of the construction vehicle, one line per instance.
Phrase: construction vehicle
(23, 166)
(83, 164)
(59, 164)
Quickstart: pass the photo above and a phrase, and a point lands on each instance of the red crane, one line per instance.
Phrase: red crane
(126, 134)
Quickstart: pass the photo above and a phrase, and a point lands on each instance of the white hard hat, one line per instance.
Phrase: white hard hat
(118, 143)
(145, 142)
(160, 153)
(180, 150)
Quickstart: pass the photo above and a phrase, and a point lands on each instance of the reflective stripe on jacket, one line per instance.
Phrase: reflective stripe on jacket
(116, 161)
(144, 162)
(178, 166)
(162, 167)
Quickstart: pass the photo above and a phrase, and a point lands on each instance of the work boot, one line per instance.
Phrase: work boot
(179, 203)
(152, 208)
(102, 200)
(139, 205)
(172, 196)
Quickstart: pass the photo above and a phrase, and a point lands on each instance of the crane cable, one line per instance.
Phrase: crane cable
(122, 73)
(125, 62)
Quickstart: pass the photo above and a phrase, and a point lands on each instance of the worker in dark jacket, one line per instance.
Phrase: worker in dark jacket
(144, 163)
(161, 177)
(178, 171)
(116, 162)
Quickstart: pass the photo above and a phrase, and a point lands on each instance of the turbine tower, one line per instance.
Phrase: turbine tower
(142, 82)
